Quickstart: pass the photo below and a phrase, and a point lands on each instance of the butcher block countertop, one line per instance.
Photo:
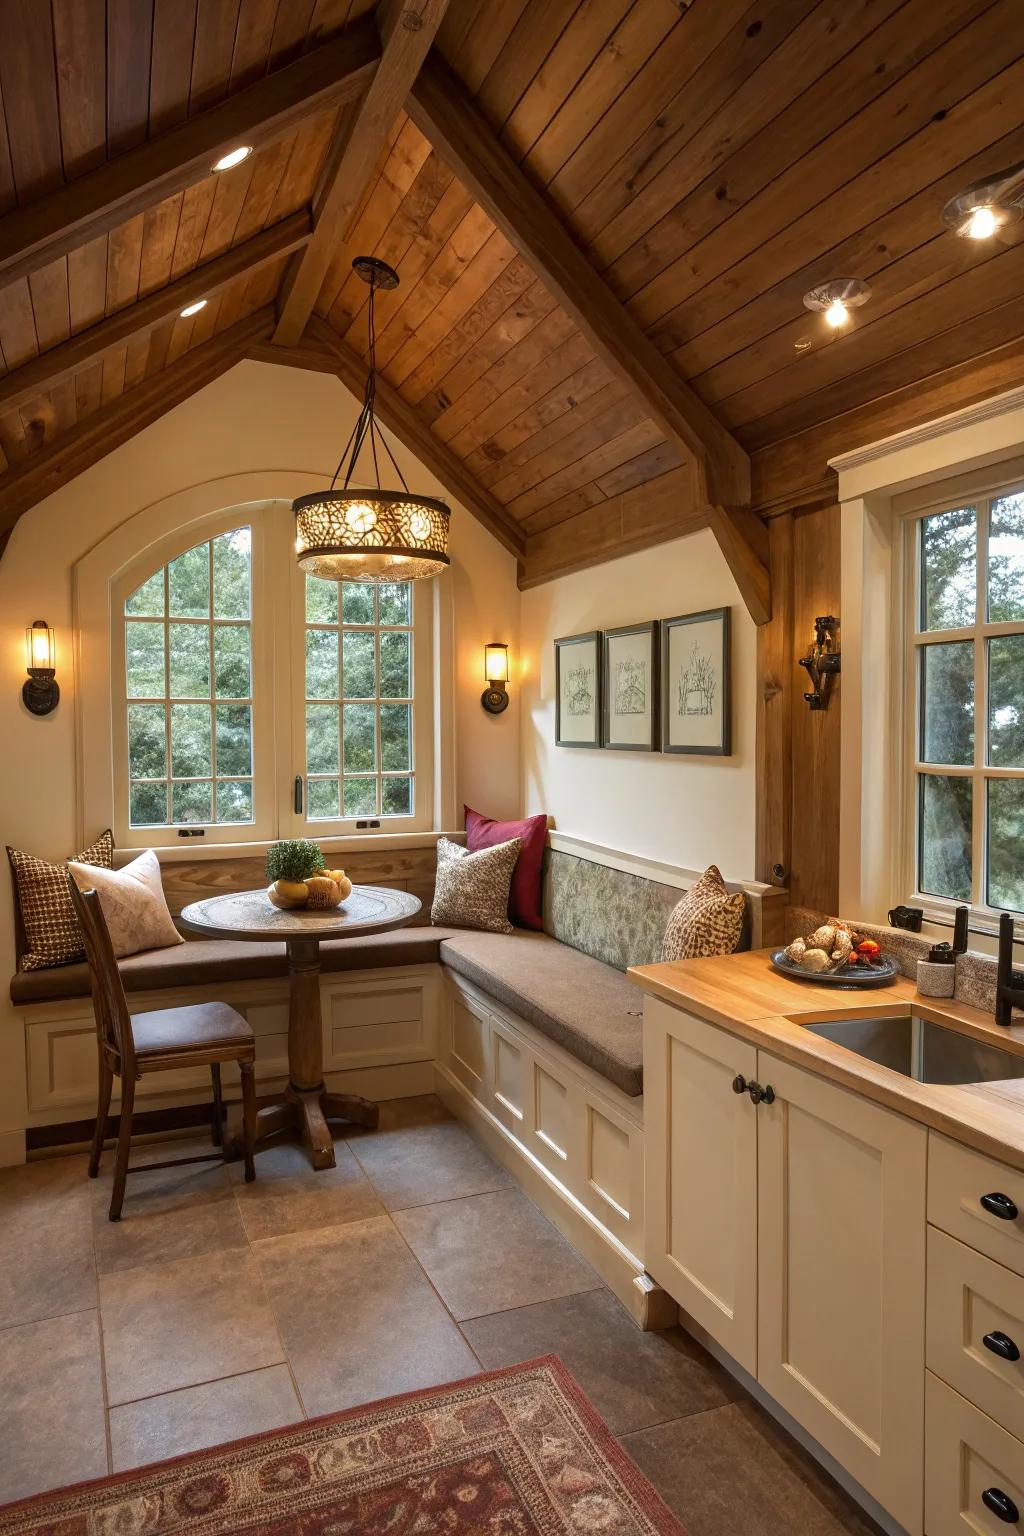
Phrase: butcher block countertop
(744, 995)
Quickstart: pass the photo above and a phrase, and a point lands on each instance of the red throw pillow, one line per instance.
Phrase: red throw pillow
(524, 901)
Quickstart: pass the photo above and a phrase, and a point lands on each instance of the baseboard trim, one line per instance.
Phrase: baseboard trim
(649, 1306)
(12, 1148)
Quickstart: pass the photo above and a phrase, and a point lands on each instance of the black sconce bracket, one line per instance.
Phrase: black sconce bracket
(40, 692)
(823, 662)
(494, 698)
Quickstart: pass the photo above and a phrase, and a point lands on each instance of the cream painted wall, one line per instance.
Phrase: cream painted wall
(257, 417)
(690, 811)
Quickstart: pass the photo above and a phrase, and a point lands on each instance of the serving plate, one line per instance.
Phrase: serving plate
(849, 979)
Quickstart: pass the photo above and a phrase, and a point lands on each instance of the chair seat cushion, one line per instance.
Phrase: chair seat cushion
(166, 1031)
(585, 1006)
(208, 962)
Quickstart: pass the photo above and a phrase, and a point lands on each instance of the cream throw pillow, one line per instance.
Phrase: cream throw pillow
(133, 904)
(472, 888)
(707, 921)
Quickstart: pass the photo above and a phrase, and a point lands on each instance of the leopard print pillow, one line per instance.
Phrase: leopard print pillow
(472, 888)
(707, 921)
(52, 935)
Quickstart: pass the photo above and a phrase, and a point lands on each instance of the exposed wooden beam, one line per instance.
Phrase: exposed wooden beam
(24, 384)
(407, 29)
(48, 228)
(743, 539)
(323, 351)
(43, 472)
(456, 128)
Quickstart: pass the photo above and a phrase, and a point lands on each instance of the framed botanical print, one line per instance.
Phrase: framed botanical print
(630, 670)
(578, 690)
(695, 684)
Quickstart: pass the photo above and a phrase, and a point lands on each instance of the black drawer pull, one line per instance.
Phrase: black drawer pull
(1001, 1505)
(1002, 1345)
(1001, 1206)
(759, 1095)
(739, 1083)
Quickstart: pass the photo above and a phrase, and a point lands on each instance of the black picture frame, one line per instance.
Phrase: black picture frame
(651, 740)
(722, 746)
(589, 638)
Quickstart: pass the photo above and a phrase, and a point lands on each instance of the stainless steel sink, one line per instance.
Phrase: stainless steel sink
(927, 1052)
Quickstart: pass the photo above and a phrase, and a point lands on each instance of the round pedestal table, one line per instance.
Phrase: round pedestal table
(305, 1106)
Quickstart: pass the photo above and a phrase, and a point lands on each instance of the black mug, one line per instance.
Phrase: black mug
(909, 918)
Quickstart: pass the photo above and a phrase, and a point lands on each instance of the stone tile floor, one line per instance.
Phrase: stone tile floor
(216, 1309)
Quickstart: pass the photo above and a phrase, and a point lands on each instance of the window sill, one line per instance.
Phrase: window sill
(189, 852)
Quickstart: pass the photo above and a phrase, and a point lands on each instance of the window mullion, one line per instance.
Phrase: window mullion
(979, 797)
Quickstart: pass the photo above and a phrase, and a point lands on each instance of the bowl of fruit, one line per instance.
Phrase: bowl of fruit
(299, 878)
(838, 956)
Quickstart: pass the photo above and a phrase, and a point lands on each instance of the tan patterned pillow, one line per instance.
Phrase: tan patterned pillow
(472, 888)
(707, 921)
(51, 932)
(133, 903)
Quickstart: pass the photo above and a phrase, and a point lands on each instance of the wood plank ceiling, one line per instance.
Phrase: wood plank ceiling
(714, 161)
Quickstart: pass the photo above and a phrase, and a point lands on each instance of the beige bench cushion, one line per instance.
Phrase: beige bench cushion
(582, 1004)
(210, 962)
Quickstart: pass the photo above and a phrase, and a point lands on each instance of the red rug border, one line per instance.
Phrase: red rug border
(640, 1486)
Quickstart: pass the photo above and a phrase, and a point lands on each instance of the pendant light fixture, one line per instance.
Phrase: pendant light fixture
(358, 533)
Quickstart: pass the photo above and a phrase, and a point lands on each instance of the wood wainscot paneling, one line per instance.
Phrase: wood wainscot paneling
(405, 869)
(798, 749)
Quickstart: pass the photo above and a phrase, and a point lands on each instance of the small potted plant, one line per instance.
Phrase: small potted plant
(295, 869)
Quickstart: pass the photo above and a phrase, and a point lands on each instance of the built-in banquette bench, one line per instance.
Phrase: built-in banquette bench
(534, 1038)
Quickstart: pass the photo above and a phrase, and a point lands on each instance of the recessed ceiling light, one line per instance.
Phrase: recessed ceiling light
(981, 210)
(193, 309)
(233, 157)
(835, 299)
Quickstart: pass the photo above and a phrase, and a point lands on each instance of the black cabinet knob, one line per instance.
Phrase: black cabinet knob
(759, 1095)
(1002, 1345)
(739, 1083)
(1001, 1505)
(999, 1205)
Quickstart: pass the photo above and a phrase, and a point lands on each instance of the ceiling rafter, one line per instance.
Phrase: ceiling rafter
(407, 29)
(458, 131)
(41, 473)
(49, 227)
(26, 383)
(321, 350)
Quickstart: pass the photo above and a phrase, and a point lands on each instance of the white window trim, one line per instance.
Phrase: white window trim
(910, 511)
(175, 523)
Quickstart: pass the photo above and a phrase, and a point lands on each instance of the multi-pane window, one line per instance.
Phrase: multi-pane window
(188, 669)
(968, 656)
(359, 700)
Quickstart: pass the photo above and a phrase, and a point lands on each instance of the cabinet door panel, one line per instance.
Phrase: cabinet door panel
(701, 1174)
(841, 1270)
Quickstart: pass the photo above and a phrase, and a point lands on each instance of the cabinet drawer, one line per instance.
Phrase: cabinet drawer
(958, 1181)
(971, 1299)
(968, 1459)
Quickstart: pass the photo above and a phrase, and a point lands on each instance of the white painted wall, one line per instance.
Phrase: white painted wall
(691, 811)
(257, 417)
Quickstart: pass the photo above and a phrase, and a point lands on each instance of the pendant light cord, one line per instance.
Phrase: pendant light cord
(366, 424)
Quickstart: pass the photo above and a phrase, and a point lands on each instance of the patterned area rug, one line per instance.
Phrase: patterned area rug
(517, 1452)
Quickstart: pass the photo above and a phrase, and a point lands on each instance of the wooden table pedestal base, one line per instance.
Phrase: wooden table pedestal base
(306, 1114)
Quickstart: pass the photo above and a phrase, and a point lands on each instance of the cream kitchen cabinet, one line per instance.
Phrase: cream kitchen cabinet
(793, 1230)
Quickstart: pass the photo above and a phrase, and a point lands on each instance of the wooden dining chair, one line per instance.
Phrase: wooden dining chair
(168, 1039)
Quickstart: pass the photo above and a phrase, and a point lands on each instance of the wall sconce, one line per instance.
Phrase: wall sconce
(823, 662)
(495, 696)
(40, 692)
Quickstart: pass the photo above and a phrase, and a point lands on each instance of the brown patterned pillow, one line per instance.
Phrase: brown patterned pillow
(51, 932)
(707, 921)
(472, 888)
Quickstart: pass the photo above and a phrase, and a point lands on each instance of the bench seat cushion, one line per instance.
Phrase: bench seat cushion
(211, 962)
(585, 1006)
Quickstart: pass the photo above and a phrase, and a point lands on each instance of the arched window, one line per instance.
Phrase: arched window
(251, 702)
(189, 688)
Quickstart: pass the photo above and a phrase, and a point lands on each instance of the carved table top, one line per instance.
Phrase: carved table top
(251, 915)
